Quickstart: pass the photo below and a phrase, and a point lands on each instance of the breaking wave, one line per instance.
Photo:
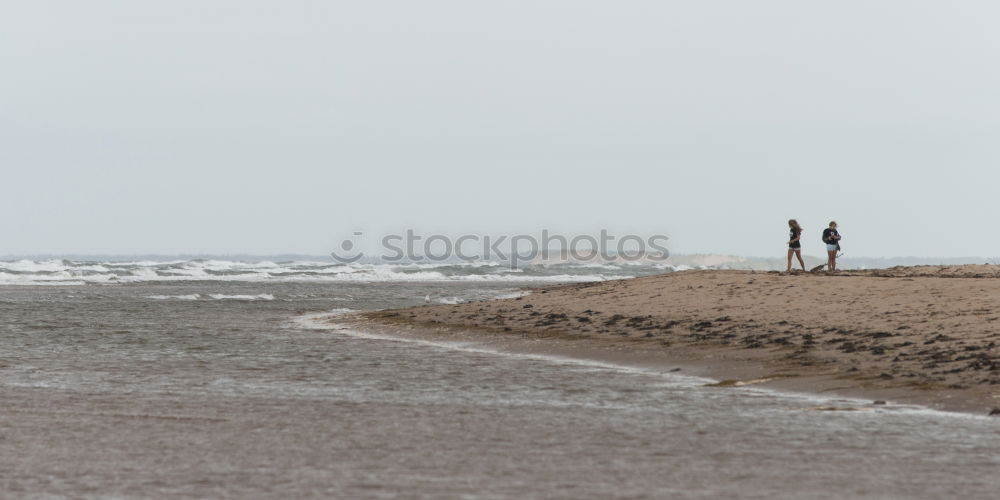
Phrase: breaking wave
(71, 272)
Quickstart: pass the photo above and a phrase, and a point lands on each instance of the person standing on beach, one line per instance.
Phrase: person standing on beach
(832, 239)
(794, 245)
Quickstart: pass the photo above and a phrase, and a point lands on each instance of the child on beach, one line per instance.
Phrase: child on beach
(794, 245)
(832, 239)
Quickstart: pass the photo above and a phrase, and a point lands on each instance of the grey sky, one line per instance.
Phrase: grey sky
(265, 127)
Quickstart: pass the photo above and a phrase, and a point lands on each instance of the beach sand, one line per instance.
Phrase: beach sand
(927, 335)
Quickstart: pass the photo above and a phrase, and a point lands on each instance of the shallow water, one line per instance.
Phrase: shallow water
(235, 390)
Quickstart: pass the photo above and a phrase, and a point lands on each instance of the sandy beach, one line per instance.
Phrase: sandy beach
(923, 335)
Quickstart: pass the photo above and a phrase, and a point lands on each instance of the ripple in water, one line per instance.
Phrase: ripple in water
(141, 390)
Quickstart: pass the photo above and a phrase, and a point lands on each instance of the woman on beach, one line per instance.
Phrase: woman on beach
(794, 245)
(832, 239)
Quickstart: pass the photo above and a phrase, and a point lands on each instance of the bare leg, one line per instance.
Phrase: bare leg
(788, 269)
(832, 261)
(798, 253)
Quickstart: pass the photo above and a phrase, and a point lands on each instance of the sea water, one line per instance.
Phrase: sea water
(195, 379)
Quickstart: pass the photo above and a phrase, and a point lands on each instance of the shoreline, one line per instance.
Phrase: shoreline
(923, 335)
(716, 369)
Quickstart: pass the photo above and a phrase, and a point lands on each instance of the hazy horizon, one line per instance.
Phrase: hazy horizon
(245, 257)
(276, 128)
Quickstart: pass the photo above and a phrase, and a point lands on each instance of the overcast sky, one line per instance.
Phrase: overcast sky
(283, 126)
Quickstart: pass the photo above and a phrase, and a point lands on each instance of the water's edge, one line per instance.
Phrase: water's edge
(661, 363)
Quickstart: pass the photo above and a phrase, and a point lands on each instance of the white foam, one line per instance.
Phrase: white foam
(28, 272)
(320, 321)
(193, 296)
(480, 348)
(27, 266)
(220, 296)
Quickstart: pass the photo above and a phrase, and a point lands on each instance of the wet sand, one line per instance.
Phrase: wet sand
(923, 335)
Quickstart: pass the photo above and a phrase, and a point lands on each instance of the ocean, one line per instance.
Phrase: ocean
(226, 379)
(73, 272)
